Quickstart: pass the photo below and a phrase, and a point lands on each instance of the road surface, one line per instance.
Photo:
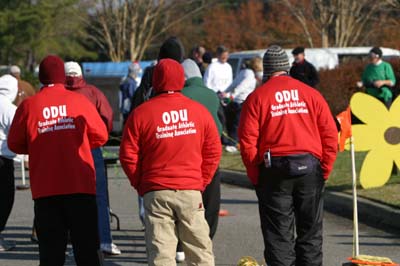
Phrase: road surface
(238, 234)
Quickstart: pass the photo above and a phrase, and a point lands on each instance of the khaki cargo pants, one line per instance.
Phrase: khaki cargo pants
(173, 214)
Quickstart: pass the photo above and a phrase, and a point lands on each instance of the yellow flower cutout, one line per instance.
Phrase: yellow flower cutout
(379, 135)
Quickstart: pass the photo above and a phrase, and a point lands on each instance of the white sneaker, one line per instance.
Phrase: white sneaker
(6, 245)
(231, 149)
(180, 256)
(110, 249)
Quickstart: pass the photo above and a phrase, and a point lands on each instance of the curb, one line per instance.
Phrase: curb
(369, 212)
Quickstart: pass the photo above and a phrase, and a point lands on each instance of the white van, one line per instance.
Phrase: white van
(327, 58)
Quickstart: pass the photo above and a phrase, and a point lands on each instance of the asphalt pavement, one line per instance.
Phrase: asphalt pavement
(238, 234)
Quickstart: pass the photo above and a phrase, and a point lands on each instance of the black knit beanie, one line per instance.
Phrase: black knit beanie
(172, 48)
(275, 60)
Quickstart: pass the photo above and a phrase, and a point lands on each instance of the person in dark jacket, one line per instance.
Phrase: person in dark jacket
(196, 90)
(127, 90)
(302, 69)
(197, 56)
(75, 82)
(172, 48)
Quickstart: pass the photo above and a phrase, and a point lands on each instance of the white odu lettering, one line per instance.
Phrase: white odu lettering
(292, 95)
(175, 116)
(54, 111)
(166, 118)
(46, 113)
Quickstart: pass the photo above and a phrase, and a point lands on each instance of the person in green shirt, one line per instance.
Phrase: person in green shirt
(197, 91)
(378, 77)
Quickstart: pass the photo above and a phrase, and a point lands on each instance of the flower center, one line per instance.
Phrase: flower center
(392, 135)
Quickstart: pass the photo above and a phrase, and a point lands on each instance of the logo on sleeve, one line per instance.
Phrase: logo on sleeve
(175, 123)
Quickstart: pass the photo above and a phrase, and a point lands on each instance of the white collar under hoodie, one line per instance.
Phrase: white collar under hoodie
(8, 92)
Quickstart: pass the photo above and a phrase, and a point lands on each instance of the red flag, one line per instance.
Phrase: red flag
(344, 119)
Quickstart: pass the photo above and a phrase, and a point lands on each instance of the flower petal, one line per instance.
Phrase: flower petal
(397, 161)
(366, 137)
(368, 109)
(376, 168)
(395, 112)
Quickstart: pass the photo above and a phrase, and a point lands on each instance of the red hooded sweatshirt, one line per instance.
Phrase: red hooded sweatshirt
(58, 128)
(170, 142)
(93, 94)
(287, 117)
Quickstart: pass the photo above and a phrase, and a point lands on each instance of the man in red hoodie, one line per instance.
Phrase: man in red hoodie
(170, 150)
(75, 82)
(58, 128)
(288, 142)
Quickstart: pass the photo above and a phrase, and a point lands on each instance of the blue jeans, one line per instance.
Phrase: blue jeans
(103, 210)
(141, 209)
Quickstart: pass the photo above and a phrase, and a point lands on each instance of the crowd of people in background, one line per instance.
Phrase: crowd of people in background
(177, 116)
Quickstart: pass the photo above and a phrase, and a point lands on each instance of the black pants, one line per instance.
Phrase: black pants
(56, 216)
(7, 190)
(212, 202)
(287, 204)
(233, 111)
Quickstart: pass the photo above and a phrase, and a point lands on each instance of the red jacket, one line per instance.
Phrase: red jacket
(288, 117)
(94, 95)
(170, 141)
(58, 128)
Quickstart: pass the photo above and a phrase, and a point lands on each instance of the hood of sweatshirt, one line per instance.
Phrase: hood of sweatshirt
(168, 76)
(8, 87)
(73, 83)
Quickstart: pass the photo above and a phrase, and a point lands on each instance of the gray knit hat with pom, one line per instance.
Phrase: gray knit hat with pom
(275, 60)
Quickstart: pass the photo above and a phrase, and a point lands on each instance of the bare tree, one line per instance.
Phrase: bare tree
(339, 23)
(352, 18)
(393, 3)
(129, 26)
(300, 13)
(325, 15)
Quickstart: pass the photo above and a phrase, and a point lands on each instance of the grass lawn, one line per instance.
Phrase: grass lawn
(340, 179)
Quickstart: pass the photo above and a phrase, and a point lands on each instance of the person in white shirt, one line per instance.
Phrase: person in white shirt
(218, 75)
(8, 93)
(241, 87)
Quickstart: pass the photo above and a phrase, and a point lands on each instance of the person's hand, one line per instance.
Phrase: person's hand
(379, 83)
